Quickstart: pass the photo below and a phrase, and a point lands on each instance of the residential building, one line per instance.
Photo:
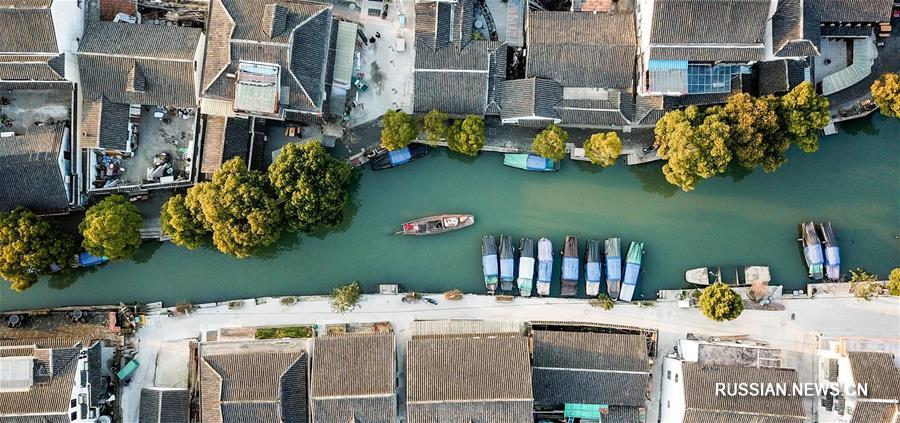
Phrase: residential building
(590, 372)
(164, 405)
(855, 363)
(43, 51)
(60, 384)
(354, 379)
(458, 69)
(263, 381)
(35, 170)
(698, 367)
(138, 105)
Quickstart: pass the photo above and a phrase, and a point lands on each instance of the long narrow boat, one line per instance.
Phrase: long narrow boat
(632, 270)
(433, 225)
(569, 275)
(545, 266)
(489, 262)
(613, 267)
(531, 162)
(507, 263)
(730, 275)
(526, 267)
(388, 159)
(812, 250)
(592, 267)
(832, 252)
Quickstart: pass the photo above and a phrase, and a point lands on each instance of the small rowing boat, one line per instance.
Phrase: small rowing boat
(526, 267)
(433, 225)
(832, 252)
(613, 267)
(507, 263)
(632, 270)
(545, 266)
(592, 267)
(388, 159)
(531, 162)
(812, 250)
(570, 271)
(730, 275)
(489, 262)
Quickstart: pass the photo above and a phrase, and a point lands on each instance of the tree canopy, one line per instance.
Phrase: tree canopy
(603, 148)
(886, 92)
(29, 246)
(313, 185)
(112, 228)
(694, 144)
(346, 297)
(467, 136)
(719, 302)
(435, 125)
(756, 139)
(181, 224)
(398, 130)
(893, 284)
(238, 207)
(802, 113)
(551, 142)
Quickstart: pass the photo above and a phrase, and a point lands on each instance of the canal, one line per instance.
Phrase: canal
(740, 218)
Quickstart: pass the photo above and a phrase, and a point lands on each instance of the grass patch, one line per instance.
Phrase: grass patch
(284, 332)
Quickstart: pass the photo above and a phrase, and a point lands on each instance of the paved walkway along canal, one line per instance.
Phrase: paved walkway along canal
(742, 218)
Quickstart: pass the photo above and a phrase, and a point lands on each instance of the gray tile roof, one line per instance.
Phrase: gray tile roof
(545, 98)
(378, 409)
(158, 42)
(582, 49)
(787, 31)
(251, 30)
(699, 388)
(873, 412)
(708, 54)
(555, 387)
(877, 371)
(852, 10)
(164, 405)
(32, 68)
(773, 77)
(26, 4)
(712, 416)
(29, 172)
(104, 125)
(530, 97)
(457, 93)
(469, 379)
(709, 21)
(225, 138)
(48, 399)
(37, 34)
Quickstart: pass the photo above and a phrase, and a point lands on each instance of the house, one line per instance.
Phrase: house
(164, 405)
(579, 373)
(263, 381)
(468, 373)
(225, 138)
(60, 384)
(868, 363)
(35, 170)
(458, 69)
(700, 381)
(139, 102)
(579, 71)
(41, 52)
(354, 379)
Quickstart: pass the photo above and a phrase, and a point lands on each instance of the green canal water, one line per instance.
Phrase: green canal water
(740, 218)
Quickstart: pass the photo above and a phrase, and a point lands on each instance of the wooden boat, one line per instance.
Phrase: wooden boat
(531, 162)
(592, 267)
(489, 263)
(832, 252)
(526, 266)
(632, 270)
(388, 159)
(812, 250)
(507, 263)
(613, 267)
(570, 271)
(438, 224)
(730, 275)
(545, 266)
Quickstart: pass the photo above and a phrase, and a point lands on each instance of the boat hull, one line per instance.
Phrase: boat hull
(530, 162)
(489, 263)
(435, 225)
(389, 159)
(525, 282)
(613, 250)
(632, 271)
(812, 251)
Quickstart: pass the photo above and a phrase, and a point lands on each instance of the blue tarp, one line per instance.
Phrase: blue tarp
(592, 272)
(86, 259)
(632, 270)
(489, 264)
(507, 272)
(614, 268)
(668, 65)
(833, 256)
(538, 163)
(570, 268)
(813, 254)
(545, 271)
(399, 156)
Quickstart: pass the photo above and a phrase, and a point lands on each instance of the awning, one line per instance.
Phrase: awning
(344, 51)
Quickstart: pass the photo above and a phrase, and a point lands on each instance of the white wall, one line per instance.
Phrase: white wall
(671, 401)
(68, 22)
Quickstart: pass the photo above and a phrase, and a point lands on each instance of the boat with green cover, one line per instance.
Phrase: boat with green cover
(531, 162)
(526, 267)
(632, 270)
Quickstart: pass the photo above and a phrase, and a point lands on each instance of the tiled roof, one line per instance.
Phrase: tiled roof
(47, 400)
(787, 31)
(773, 77)
(95, 372)
(104, 124)
(293, 34)
(798, 48)
(40, 36)
(225, 139)
(32, 68)
(877, 371)
(712, 416)
(530, 97)
(709, 21)
(469, 378)
(29, 172)
(377, 409)
(582, 49)
(25, 4)
(708, 54)
(873, 412)
(158, 42)
(555, 387)
(164, 405)
(457, 93)
(852, 10)
(699, 387)
(441, 22)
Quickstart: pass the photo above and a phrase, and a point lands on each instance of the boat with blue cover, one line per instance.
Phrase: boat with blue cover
(531, 162)
(82, 259)
(570, 271)
(489, 262)
(507, 263)
(632, 270)
(613, 267)
(812, 250)
(592, 267)
(545, 266)
(388, 159)
(832, 252)
(525, 281)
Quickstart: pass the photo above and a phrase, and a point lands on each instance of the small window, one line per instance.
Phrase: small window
(74, 416)
(669, 374)
(73, 403)
(676, 377)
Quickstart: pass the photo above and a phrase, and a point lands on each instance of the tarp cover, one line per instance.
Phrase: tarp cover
(614, 268)
(545, 260)
(635, 252)
(592, 268)
(86, 259)
(813, 254)
(489, 264)
(631, 273)
(507, 259)
(592, 272)
(570, 268)
(538, 163)
(399, 156)
(526, 269)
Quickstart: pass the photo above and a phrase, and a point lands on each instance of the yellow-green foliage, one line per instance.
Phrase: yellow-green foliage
(719, 302)
(551, 143)
(695, 146)
(28, 246)
(886, 92)
(603, 148)
(112, 228)
(398, 129)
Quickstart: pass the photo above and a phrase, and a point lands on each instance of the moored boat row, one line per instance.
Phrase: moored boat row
(820, 251)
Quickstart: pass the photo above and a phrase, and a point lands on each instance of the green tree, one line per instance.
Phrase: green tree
(435, 125)
(719, 302)
(112, 228)
(181, 224)
(398, 129)
(237, 206)
(756, 139)
(346, 297)
(468, 136)
(694, 144)
(886, 92)
(29, 246)
(603, 148)
(313, 185)
(893, 284)
(802, 113)
(551, 142)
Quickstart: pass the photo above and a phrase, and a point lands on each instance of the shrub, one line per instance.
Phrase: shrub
(719, 302)
(398, 130)
(551, 143)
(893, 284)
(346, 297)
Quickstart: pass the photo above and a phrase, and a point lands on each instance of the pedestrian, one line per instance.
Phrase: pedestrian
(377, 34)
(372, 40)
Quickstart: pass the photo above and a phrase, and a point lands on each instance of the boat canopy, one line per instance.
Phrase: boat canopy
(633, 263)
(400, 156)
(570, 259)
(507, 259)
(832, 252)
(489, 256)
(592, 268)
(613, 259)
(530, 162)
(526, 266)
(812, 250)
(545, 260)
(86, 259)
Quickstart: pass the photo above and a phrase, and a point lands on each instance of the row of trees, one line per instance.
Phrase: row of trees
(243, 210)
(464, 136)
(602, 148)
(757, 131)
